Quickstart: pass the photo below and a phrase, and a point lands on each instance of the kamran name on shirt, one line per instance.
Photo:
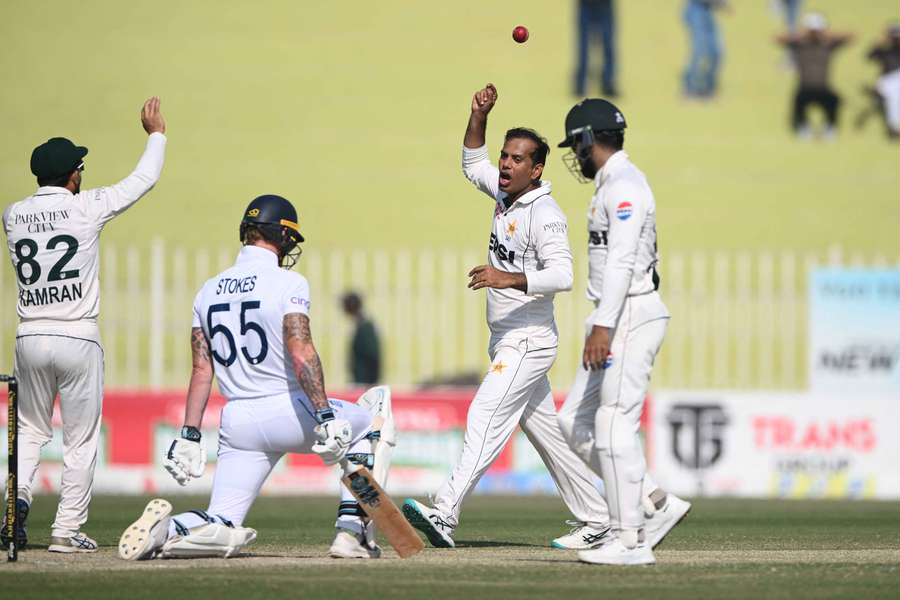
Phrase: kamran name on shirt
(50, 295)
(41, 221)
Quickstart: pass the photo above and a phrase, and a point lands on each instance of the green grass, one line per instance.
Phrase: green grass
(733, 548)
(356, 112)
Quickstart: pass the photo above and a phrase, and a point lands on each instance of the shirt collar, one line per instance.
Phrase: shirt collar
(528, 198)
(613, 164)
(257, 254)
(49, 190)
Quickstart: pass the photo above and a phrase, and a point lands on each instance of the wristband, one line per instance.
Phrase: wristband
(324, 414)
(192, 434)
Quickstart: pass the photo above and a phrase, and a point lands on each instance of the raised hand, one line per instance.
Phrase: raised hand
(484, 99)
(151, 118)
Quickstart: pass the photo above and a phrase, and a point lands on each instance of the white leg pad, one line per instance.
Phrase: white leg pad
(209, 541)
(377, 400)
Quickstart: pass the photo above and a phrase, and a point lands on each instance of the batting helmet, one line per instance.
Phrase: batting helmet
(276, 220)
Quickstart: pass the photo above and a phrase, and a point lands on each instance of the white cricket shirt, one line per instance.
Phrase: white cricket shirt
(53, 238)
(241, 311)
(530, 237)
(622, 252)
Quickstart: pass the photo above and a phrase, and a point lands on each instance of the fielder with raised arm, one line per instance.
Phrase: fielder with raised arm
(54, 243)
(251, 330)
(601, 415)
(529, 262)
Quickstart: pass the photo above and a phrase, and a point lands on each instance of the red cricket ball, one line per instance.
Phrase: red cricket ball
(520, 34)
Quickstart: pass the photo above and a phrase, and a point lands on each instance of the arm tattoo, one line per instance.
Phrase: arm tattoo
(199, 347)
(309, 370)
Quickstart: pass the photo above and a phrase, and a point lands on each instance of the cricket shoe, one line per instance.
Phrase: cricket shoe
(430, 522)
(21, 533)
(75, 543)
(143, 538)
(615, 553)
(212, 540)
(348, 544)
(664, 519)
(583, 537)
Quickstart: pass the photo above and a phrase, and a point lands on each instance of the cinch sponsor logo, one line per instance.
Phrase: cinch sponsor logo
(623, 211)
(787, 433)
(300, 301)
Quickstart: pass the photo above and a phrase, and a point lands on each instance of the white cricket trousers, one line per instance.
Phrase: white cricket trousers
(47, 364)
(253, 436)
(516, 391)
(889, 88)
(602, 413)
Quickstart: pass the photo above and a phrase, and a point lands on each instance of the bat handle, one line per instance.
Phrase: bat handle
(349, 467)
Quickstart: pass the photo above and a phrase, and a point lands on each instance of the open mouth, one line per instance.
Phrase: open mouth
(504, 180)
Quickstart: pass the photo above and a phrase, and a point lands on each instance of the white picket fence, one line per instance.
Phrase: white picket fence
(739, 319)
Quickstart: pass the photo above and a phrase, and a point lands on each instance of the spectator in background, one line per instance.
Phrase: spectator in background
(365, 350)
(887, 55)
(701, 77)
(596, 19)
(791, 11)
(812, 49)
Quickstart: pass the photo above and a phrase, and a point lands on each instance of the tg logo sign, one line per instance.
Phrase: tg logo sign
(697, 434)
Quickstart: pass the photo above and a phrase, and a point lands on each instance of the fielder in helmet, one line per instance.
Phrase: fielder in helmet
(273, 219)
(592, 124)
(623, 334)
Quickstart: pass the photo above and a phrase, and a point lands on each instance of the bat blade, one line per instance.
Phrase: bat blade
(382, 510)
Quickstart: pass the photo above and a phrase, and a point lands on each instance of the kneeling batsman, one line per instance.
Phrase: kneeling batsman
(261, 307)
(204, 534)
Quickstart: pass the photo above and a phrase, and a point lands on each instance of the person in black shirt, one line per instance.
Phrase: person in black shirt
(813, 49)
(365, 349)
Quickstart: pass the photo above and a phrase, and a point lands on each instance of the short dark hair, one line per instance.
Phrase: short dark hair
(610, 138)
(542, 149)
(56, 181)
(352, 302)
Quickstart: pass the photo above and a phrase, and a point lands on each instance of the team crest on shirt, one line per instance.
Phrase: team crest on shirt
(498, 367)
(510, 230)
(623, 211)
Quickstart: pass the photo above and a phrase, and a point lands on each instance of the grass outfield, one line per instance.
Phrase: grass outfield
(356, 112)
(733, 548)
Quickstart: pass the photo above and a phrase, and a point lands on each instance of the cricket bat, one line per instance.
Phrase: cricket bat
(382, 510)
(12, 480)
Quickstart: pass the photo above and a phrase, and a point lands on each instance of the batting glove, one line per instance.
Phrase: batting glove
(334, 437)
(186, 457)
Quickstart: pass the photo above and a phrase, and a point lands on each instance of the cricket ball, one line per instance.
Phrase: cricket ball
(520, 34)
